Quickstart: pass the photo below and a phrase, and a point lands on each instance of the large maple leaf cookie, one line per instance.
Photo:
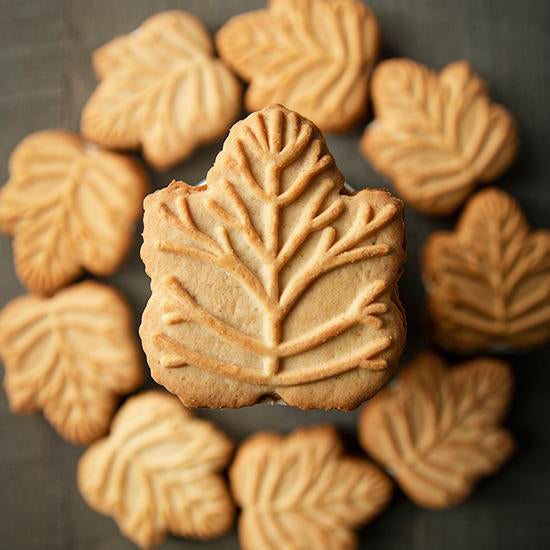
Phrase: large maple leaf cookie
(489, 281)
(437, 430)
(162, 90)
(70, 356)
(301, 491)
(158, 472)
(69, 206)
(267, 281)
(313, 56)
(436, 135)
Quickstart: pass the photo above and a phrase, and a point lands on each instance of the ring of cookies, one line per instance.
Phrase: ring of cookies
(270, 281)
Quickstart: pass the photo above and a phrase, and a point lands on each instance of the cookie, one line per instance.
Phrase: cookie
(437, 430)
(69, 206)
(158, 472)
(267, 281)
(162, 90)
(301, 491)
(313, 56)
(436, 136)
(488, 282)
(70, 356)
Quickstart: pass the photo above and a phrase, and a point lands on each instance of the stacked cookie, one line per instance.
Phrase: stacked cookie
(270, 281)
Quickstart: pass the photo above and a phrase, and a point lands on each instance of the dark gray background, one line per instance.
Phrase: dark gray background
(45, 78)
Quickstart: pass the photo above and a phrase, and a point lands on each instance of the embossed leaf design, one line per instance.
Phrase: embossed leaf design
(162, 89)
(157, 472)
(245, 273)
(70, 356)
(489, 281)
(313, 56)
(437, 431)
(69, 206)
(436, 136)
(302, 492)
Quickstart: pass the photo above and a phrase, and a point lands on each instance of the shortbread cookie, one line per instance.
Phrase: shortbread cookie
(436, 135)
(488, 282)
(70, 356)
(267, 281)
(437, 430)
(162, 90)
(69, 206)
(157, 472)
(301, 491)
(314, 56)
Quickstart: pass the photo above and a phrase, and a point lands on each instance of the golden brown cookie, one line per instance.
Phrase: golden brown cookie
(436, 135)
(162, 90)
(267, 281)
(437, 430)
(70, 356)
(313, 56)
(69, 206)
(301, 491)
(488, 282)
(157, 472)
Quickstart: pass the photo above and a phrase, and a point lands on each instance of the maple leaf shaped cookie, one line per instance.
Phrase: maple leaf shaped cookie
(157, 472)
(436, 135)
(300, 491)
(267, 282)
(437, 430)
(313, 56)
(69, 206)
(489, 281)
(70, 356)
(162, 90)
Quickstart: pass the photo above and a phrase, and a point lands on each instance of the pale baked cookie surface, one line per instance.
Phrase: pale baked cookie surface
(301, 491)
(69, 206)
(70, 356)
(158, 472)
(267, 281)
(162, 90)
(488, 282)
(436, 135)
(313, 56)
(437, 430)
